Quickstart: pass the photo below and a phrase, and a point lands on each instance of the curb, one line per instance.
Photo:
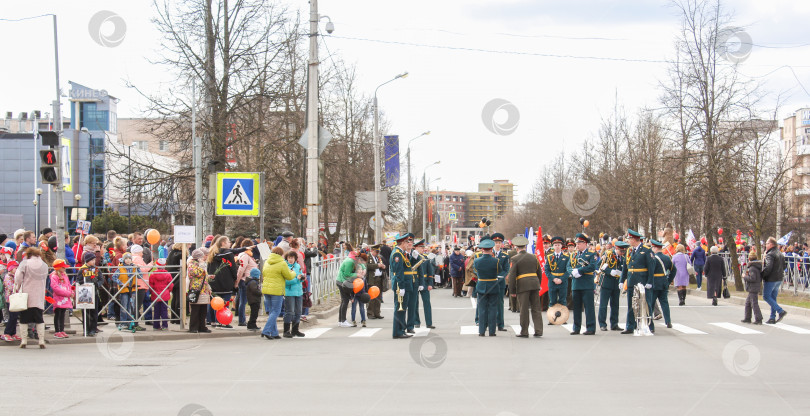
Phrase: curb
(327, 313)
(792, 310)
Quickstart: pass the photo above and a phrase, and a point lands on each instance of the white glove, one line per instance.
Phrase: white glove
(421, 288)
(648, 286)
(401, 292)
(415, 253)
(575, 273)
(615, 273)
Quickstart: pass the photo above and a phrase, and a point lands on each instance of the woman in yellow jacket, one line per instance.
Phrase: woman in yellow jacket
(275, 273)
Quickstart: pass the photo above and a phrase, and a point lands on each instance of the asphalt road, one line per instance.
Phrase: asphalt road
(704, 369)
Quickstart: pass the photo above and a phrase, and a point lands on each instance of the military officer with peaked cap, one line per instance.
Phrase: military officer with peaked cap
(503, 270)
(486, 267)
(425, 282)
(557, 270)
(638, 268)
(663, 276)
(583, 267)
(609, 292)
(524, 285)
(402, 282)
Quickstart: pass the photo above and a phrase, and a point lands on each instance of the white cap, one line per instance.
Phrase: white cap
(468, 253)
(136, 249)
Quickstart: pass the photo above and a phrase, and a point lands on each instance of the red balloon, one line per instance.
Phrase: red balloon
(720, 239)
(703, 240)
(720, 231)
(676, 236)
(225, 316)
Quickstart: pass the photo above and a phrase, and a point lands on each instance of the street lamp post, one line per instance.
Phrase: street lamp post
(36, 204)
(424, 197)
(376, 140)
(408, 157)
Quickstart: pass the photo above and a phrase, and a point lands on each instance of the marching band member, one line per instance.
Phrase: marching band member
(503, 270)
(583, 267)
(425, 285)
(486, 267)
(609, 291)
(401, 282)
(639, 267)
(557, 268)
(663, 276)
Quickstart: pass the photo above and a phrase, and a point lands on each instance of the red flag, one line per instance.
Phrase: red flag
(540, 252)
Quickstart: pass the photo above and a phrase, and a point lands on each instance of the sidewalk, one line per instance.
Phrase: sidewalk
(739, 300)
(112, 334)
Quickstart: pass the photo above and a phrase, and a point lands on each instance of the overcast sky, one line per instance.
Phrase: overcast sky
(554, 72)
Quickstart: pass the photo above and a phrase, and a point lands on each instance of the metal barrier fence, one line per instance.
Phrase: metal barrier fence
(323, 277)
(131, 299)
(796, 274)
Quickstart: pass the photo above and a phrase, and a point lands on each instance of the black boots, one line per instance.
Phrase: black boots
(714, 301)
(681, 297)
(295, 331)
(287, 333)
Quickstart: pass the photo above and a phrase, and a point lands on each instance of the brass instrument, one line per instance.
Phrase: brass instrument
(399, 297)
(642, 312)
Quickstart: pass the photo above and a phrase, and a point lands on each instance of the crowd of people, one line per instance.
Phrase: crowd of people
(134, 282)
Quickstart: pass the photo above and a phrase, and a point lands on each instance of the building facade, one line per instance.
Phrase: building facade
(796, 148)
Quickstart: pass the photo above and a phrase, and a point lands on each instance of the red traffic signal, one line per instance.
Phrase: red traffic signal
(48, 157)
(49, 168)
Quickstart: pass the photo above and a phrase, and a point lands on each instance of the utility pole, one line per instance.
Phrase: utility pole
(424, 205)
(57, 115)
(197, 157)
(408, 157)
(313, 193)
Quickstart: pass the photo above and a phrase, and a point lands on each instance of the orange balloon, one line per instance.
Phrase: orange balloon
(586, 223)
(152, 236)
(374, 291)
(217, 303)
(358, 285)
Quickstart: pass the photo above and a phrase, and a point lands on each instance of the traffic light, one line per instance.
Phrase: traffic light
(49, 168)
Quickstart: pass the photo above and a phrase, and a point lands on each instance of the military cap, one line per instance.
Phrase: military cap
(419, 243)
(287, 234)
(486, 237)
(570, 242)
(558, 240)
(656, 243)
(497, 236)
(633, 233)
(622, 244)
(520, 241)
(488, 243)
(583, 237)
(547, 238)
(376, 246)
(400, 237)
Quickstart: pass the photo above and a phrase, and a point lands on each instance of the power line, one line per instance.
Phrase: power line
(26, 18)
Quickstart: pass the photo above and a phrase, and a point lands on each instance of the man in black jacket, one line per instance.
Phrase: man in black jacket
(772, 275)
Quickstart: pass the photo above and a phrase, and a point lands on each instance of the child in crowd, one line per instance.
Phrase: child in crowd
(10, 333)
(89, 274)
(62, 297)
(254, 297)
(162, 285)
(359, 298)
(293, 296)
(125, 276)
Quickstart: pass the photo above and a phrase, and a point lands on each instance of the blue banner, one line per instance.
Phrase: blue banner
(391, 144)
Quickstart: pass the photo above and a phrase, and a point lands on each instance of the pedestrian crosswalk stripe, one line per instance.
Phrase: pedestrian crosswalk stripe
(736, 328)
(568, 327)
(794, 329)
(365, 332)
(421, 332)
(474, 303)
(687, 330)
(315, 333)
(469, 330)
(516, 328)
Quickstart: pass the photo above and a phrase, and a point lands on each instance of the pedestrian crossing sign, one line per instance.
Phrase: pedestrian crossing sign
(238, 193)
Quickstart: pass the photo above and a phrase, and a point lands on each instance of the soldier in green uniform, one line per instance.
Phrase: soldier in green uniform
(424, 282)
(639, 268)
(582, 270)
(609, 292)
(486, 267)
(503, 270)
(557, 268)
(401, 282)
(416, 280)
(662, 278)
(524, 286)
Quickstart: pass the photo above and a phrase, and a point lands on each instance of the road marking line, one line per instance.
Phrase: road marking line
(516, 328)
(568, 327)
(315, 333)
(363, 333)
(469, 330)
(735, 328)
(421, 332)
(794, 329)
(474, 302)
(687, 330)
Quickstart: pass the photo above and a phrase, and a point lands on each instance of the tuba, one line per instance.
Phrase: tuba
(642, 312)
